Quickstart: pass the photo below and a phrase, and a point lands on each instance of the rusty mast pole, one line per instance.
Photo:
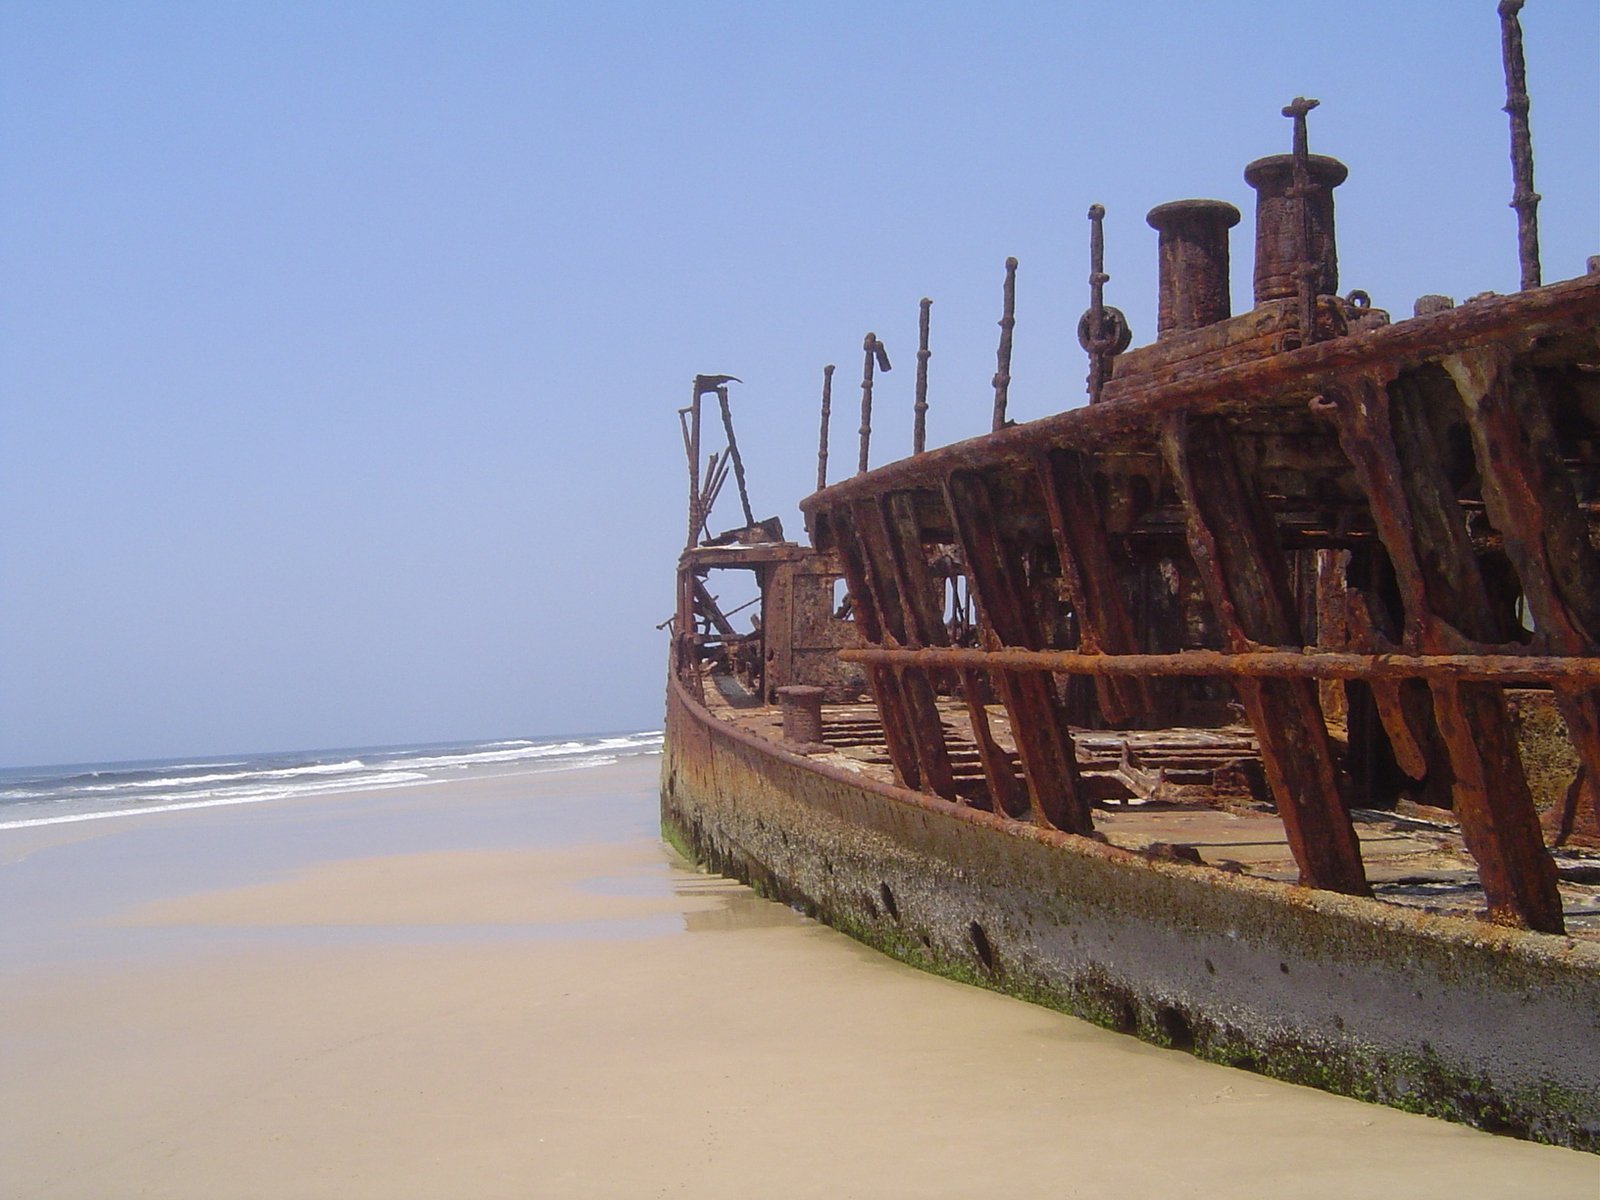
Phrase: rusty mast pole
(1008, 321)
(692, 445)
(822, 439)
(1097, 301)
(1306, 267)
(874, 353)
(1523, 198)
(733, 448)
(919, 429)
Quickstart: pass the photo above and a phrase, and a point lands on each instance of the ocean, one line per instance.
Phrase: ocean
(91, 791)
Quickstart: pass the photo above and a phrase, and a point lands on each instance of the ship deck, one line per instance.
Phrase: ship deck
(1185, 795)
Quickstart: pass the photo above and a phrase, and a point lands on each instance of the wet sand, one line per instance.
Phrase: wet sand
(509, 988)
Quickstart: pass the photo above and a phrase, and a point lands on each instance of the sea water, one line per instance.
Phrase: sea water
(58, 795)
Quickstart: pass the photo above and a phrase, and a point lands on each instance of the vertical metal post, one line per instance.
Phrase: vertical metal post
(733, 453)
(1306, 268)
(1008, 321)
(1523, 198)
(822, 440)
(696, 517)
(873, 355)
(919, 430)
(1097, 302)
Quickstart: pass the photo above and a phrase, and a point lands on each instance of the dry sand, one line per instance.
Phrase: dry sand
(534, 1010)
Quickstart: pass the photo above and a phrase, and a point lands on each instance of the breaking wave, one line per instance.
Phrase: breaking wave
(55, 796)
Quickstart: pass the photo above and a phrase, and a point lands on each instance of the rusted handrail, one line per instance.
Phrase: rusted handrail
(1287, 664)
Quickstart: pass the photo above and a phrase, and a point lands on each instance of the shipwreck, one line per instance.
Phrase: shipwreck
(1252, 707)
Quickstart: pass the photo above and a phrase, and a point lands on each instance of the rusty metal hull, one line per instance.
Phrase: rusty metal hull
(1495, 1027)
(1357, 542)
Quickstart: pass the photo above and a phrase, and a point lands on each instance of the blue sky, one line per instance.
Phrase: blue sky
(340, 343)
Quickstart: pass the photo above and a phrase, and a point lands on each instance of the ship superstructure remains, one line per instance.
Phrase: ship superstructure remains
(1328, 576)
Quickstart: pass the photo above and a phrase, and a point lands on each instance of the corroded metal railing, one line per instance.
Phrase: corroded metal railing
(1416, 487)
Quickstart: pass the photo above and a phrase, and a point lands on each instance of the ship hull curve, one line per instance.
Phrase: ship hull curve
(1496, 1028)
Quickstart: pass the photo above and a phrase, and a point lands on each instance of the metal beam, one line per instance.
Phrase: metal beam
(900, 600)
(1233, 542)
(1257, 664)
(1091, 573)
(1044, 742)
(881, 679)
(1393, 442)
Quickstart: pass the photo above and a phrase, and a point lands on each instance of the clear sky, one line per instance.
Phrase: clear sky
(341, 343)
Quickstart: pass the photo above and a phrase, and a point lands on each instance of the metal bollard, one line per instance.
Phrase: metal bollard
(801, 706)
(1278, 233)
(1193, 263)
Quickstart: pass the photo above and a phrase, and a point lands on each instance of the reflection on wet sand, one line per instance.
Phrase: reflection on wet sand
(738, 908)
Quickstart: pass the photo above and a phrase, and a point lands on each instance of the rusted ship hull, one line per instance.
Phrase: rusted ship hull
(1491, 1026)
(1253, 708)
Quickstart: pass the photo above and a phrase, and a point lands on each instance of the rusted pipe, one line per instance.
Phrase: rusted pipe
(694, 477)
(1284, 664)
(1102, 330)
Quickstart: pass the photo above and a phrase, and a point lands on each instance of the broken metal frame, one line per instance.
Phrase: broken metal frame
(1419, 474)
(1235, 466)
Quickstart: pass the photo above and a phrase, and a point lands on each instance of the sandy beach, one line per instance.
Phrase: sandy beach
(509, 988)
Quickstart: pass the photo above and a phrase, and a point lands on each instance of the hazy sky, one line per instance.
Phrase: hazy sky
(340, 343)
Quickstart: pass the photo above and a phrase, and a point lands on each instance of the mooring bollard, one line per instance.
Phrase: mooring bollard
(801, 706)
